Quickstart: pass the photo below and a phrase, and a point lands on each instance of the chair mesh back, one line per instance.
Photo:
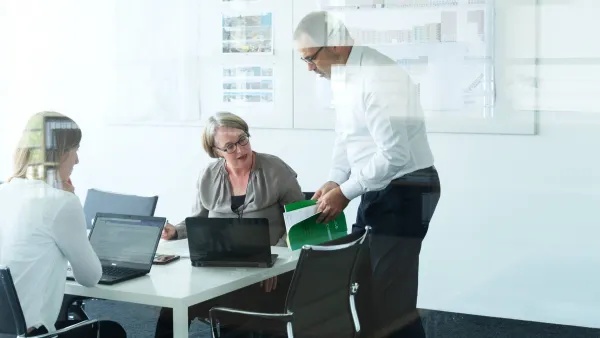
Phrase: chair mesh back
(364, 276)
(12, 321)
(106, 202)
(319, 296)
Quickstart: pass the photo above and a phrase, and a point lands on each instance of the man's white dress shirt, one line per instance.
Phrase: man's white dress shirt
(380, 126)
(41, 228)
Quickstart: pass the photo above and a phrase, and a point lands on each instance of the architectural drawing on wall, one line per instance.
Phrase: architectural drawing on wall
(445, 45)
(247, 84)
(247, 33)
(240, 71)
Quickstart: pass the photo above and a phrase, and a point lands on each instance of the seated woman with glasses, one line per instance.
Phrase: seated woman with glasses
(240, 183)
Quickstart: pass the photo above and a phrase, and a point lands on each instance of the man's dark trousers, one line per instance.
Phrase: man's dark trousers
(399, 216)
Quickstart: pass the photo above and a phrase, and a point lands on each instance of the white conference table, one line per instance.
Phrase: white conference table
(178, 285)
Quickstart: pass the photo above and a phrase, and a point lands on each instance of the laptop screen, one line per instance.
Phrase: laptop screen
(228, 239)
(126, 239)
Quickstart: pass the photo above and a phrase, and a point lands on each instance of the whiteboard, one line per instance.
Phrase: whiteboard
(154, 65)
(458, 66)
(568, 65)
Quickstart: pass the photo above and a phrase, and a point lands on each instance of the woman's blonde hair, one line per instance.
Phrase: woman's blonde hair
(220, 120)
(46, 138)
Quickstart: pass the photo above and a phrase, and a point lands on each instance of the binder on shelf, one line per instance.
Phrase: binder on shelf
(302, 227)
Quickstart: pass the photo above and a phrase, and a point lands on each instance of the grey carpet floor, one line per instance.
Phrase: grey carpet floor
(140, 322)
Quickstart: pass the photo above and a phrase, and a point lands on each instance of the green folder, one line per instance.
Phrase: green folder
(308, 231)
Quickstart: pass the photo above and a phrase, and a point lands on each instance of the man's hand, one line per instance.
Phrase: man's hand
(331, 205)
(324, 189)
(169, 232)
(269, 284)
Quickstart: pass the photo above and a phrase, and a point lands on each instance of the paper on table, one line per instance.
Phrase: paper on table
(294, 217)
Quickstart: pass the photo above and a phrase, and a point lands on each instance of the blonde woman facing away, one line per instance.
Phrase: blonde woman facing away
(240, 181)
(43, 226)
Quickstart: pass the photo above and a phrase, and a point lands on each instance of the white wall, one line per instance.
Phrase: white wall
(515, 233)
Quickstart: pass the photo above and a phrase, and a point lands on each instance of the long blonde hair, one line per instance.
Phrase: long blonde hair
(45, 139)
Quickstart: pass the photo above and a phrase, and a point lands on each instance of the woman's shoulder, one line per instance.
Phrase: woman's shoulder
(47, 200)
(273, 164)
(212, 168)
(59, 199)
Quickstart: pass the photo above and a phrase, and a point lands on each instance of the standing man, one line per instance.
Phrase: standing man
(381, 153)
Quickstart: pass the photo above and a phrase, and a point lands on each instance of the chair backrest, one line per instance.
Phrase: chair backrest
(323, 290)
(308, 195)
(101, 201)
(12, 321)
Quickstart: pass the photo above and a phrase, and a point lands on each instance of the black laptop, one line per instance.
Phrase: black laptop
(229, 242)
(125, 245)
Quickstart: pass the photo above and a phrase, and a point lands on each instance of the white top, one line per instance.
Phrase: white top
(380, 125)
(40, 229)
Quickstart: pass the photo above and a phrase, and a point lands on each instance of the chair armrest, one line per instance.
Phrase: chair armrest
(283, 317)
(279, 316)
(67, 329)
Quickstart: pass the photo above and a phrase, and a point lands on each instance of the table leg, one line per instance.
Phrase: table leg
(180, 322)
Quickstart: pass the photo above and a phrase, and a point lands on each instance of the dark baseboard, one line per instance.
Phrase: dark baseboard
(440, 324)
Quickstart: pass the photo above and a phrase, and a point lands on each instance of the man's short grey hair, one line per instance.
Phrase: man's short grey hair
(220, 120)
(324, 30)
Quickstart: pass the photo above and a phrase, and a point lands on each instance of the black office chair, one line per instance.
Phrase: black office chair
(108, 202)
(321, 301)
(12, 320)
(308, 195)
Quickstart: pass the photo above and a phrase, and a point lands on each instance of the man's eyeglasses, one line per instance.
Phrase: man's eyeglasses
(232, 147)
(311, 59)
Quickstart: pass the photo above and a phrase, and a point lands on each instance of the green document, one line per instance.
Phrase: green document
(303, 229)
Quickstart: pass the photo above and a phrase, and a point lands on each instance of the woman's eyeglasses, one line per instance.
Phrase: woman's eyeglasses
(232, 147)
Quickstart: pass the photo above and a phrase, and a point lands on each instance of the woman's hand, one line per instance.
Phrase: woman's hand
(269, 284)
(169, 232)
(67, 186)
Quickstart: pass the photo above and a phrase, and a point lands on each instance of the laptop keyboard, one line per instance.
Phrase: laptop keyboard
(117, 271)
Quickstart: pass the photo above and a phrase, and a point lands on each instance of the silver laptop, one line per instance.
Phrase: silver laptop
(125, 245)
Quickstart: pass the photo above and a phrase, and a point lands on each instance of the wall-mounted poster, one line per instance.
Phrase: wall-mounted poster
(247, 84)
(247, 33)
